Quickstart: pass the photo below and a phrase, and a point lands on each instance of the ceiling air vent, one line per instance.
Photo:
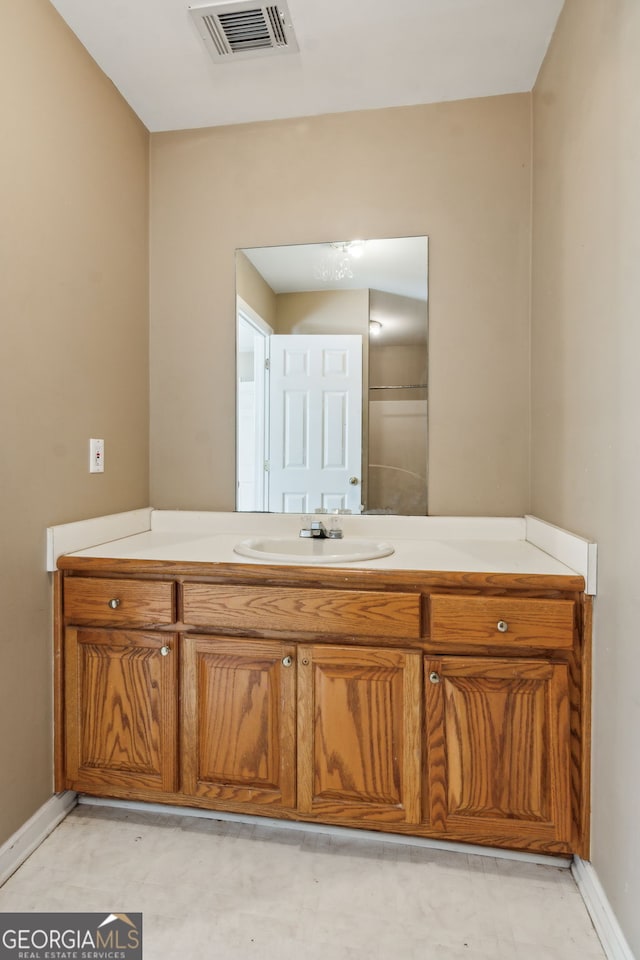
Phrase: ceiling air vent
(245, 29)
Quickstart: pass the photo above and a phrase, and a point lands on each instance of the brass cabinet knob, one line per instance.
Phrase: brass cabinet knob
(287, 661)
(502, 626)
(114, 604)
(434, 677)
(165, 650)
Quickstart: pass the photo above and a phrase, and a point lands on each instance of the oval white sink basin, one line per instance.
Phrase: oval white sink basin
(311, 550)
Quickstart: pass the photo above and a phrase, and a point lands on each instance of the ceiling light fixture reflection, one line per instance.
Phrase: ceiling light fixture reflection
(355, 248)
(337, 263)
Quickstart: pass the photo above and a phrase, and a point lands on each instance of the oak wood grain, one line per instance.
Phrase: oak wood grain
(337, 577)
(238, 732)
(542, 623)
(139, 603)
(498, 747)
(58, 685)
(359, 733)
(255, 770)
(121, 709)
(583, 737)
(365, 613)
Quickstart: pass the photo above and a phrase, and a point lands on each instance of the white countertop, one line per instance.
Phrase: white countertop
(467, 545)
(469, 556)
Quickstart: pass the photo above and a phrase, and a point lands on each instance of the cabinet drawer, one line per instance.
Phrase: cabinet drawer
(336, 612)
(502, 621)
(118, 602)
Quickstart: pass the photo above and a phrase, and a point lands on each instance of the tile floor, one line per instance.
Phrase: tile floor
(229, 891)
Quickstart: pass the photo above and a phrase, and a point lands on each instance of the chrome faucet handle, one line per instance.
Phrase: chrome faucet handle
(318, 531)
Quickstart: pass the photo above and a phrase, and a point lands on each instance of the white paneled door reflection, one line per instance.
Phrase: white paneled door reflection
(315, 423)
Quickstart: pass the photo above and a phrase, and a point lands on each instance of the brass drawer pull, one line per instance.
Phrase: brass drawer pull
(114, 604)
(502, 626)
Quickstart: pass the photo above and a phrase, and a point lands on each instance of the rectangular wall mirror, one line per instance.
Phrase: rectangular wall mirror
(332, 361)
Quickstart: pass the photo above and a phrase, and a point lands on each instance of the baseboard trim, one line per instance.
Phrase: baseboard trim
(604, 920)
(331, 829)
(37, 828)
(32, 833)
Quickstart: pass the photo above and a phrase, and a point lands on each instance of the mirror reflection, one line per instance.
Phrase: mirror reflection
(332, 347)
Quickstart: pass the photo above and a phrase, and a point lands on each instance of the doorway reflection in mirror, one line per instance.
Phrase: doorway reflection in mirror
(332, 379)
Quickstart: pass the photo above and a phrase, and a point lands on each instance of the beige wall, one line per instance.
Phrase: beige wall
(586, 380)
(330, 311)
(458, 172)
(73, 308)
(254, 290)
(395, 365)
(73, 178)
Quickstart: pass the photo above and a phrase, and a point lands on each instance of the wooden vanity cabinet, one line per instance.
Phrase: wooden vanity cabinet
(498, 749)
(239, 715)
(439, 705)
(120, 697)
(359, 733)
(497, 725)
(116, 602)
(121, 708)
(330, 731)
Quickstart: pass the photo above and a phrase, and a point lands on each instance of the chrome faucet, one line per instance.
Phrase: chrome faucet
(318, 531)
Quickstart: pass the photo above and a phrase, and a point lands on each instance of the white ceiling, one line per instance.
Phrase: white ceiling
(354, 55)
(394, 266)
(397, 266)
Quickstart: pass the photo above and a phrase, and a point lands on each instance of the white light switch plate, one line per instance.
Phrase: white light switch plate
(96, 456)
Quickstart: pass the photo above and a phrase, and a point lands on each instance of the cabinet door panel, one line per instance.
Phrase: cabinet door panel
(121, 699)
(239, 702)
(359, 733)
(498, 748)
